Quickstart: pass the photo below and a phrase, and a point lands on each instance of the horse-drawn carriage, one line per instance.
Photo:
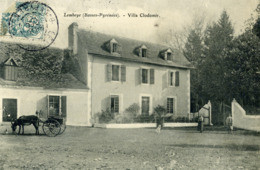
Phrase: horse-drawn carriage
(52, 125)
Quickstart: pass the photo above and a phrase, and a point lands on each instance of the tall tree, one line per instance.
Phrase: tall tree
(193, 51)
(244, 64)
(218, 38)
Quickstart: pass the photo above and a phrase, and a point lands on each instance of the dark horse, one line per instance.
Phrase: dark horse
(25, 121)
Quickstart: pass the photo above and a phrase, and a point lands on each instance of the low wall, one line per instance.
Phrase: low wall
(144, 125)
(243, 121)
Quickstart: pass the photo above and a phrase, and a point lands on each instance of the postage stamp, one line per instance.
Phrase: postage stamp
(31, 21)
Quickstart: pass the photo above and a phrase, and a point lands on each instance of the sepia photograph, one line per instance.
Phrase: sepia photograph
(130, 84)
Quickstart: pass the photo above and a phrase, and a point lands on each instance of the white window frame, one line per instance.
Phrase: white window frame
(148, 75)
(144, 52)
(60, 103)
(120, 100)
(114, 47)
(174, 104)
(166, 55)
(119, 72)
(169, 76)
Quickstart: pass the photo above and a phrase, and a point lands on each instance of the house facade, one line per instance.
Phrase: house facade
(68, 99)
(120, 72)
(108, 72)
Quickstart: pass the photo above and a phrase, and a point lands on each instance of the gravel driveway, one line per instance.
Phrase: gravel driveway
(95, 148)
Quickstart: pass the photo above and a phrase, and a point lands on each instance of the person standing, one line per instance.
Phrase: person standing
(200, 124)
(229, 124)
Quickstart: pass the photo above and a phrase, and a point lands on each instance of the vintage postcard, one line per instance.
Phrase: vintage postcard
(120, 84)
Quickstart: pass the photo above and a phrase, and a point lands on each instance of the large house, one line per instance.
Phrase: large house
(108, 72)
(120, 72)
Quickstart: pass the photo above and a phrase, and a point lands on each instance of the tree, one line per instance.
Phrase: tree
(256, 26)
(243, 66)
(193, 51)
(218, 38)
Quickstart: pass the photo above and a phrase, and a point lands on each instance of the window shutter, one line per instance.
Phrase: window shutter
(116, 104)
(109, 72)
(151, 76)
(48, 105)
(140, 76)
(168, 79)
(177, 78)
(64, 106)
(123, 73)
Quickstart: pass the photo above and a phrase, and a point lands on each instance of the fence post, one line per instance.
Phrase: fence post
(232, 109)
(210, 112)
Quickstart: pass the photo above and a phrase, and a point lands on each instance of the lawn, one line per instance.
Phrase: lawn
(96, 148)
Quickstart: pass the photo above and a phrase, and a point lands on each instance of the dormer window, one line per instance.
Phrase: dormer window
(168, 55)
(10, 69)
(113, 46)
(143, 51)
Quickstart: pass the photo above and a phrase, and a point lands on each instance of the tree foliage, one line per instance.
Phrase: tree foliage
(227, 67)
(41, 67)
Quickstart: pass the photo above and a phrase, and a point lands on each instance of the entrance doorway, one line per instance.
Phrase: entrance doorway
(9, 110)
(145, 106)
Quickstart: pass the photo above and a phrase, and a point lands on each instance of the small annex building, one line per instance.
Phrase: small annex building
(18, 97)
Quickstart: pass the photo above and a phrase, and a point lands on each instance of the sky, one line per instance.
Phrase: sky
(174, 15)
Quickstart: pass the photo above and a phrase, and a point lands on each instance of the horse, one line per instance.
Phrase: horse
(26, 121)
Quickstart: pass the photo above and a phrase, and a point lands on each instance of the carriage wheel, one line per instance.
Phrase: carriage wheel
(62, 128)
(51, 127)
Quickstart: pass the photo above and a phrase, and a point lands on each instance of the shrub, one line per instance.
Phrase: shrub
(105, 116)
(133, 110)
(159, 111)
(145, 119)
(129, 115)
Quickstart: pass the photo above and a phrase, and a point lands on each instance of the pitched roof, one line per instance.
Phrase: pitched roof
(94, 43)
(69, 82)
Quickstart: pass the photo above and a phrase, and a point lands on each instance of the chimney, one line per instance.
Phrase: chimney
(73, 38)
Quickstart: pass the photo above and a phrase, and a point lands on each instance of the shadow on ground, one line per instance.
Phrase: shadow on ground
(229, 146)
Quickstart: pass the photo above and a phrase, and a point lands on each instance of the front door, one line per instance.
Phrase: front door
(9, 110)
(145, 106)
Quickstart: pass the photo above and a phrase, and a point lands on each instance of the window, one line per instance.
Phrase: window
(114, 47)
(143, 51)
(169, 56)
(171, 78)
(10, 69)
(170, 105)
(115, 72)
(114, 103)
(147, 76)
(177, 78)
(10, 72)
(174, 78)
(57, 106)
(145, 105)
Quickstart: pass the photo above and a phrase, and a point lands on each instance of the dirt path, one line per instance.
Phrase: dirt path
(92, 148)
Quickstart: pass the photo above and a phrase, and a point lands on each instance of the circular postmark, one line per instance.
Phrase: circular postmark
(35, 22)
